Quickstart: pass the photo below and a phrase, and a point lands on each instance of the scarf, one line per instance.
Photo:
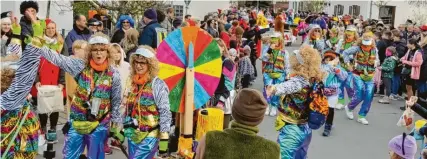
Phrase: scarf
(49, 40)
(334, 40)
(140, 79)
(96, 67)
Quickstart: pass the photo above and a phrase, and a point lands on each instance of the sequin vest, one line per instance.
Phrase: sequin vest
(275, 63)
(365, 62)
(26, 143)
(141, 107)
(293, 108)
(344, 47)
(101, 87)
(229, 76)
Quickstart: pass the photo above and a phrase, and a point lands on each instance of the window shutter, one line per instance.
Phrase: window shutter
(350, 10)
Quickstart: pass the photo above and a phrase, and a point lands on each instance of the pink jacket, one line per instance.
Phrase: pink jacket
(415, 63)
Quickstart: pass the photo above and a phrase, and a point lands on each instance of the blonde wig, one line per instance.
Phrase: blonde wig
(7, 76)
(152, 63)
(310, 66)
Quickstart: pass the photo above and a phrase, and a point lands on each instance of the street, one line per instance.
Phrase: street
(348, 140)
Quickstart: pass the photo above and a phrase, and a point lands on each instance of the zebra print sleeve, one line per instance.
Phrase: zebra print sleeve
(15, 96)
(161, 97)
(13, 48)
(293, 85)
(116, 97)
(71, 65)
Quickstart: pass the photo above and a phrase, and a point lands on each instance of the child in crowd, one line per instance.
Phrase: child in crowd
(79, 47)
(402, 147)
(335, 76)
(387, 72)
(246, 70)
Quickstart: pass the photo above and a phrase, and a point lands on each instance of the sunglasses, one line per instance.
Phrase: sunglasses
(125, 22)
(317, 31)
(140, 63)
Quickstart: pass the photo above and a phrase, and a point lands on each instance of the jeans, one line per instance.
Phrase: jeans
(395, 84)
(387, 85)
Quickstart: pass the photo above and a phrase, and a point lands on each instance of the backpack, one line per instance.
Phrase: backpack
(318, 108)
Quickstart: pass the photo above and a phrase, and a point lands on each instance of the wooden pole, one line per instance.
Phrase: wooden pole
(189, 93)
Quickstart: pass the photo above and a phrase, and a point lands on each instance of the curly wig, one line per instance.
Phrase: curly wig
(122, 18)
(311, 65)
(28, 4)
(278, 24)
(7, 76)
(153, 63)
(91, 47)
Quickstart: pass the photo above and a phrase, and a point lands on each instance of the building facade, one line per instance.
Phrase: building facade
(198, 9)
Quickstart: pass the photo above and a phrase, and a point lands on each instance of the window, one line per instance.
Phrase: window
(179, 11)
(354, 10)
(339, 9)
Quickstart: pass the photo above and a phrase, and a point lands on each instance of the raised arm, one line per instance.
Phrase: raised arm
(348, 52)
(15, 96)
(293, 85)
(161, 97)
(71, 65)
(341, 73)
(116, 98)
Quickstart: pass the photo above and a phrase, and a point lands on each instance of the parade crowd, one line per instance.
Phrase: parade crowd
(112, 91)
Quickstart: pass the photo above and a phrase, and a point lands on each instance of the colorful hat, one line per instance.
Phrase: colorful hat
(314, 26)
(330, 53)
(351, 28)
(423, 27)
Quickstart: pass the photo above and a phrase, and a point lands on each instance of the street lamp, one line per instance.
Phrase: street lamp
(187, 3)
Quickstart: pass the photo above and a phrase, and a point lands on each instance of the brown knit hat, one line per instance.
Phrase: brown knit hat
(249, 107)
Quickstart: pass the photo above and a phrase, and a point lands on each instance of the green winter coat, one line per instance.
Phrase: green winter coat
(387, 68)
(239, 142)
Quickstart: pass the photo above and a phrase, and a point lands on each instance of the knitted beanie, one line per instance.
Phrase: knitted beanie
(150, 14)
(249, 107)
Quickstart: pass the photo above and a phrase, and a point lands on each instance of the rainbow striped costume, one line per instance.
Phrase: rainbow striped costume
(148, 107)
(294, 132)
(347, 84)
(274, 72)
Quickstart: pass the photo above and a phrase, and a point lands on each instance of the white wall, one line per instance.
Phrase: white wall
(199, 9)
(64, 20)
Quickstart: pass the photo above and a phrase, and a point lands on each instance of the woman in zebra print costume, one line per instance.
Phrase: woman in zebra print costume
(16, 114)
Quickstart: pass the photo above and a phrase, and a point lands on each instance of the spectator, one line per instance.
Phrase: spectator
(409, 34)
(50, 74)
(93, 25)
(79, 32)
(403, 147)
(101, 27)
(151, 30)
(411, 63)
(130, 42)
(187, 17)
(79, 47)
(246, 70)
(124, 23)
(248, 112)
(387, 72)
(421, 83)
(6, 34)
(223, 34)
(176, 24)
(386, 41)
(167, 23)
(211, 29)
(26, 8)
(401, 50)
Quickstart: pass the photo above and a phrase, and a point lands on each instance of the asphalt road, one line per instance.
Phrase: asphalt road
(349, 139)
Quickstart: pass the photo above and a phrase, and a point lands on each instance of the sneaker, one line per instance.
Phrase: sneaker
(403, 108)
(384, 100)
(349, 113)
(363, 121)
(273, 111)
(116, 145)
(107, 150)
(327, 130)
(339, 106)
(393, 97)
(267, 111)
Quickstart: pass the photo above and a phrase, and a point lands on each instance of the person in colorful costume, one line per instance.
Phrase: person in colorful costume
(332, 82)
(315, 38)
(350, 38)
(274, 59)
(96, 101)
(294, 131)
(332, 42)
(19, 124)
(366, 60)
(147, 117)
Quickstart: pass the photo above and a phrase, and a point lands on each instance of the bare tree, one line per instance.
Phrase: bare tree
(380, 3)
(422, 3)
(314, 5)
(419, 11)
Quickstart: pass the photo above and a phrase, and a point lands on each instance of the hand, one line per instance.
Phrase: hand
(4, 37)
(61, 86)
(270, 90)
(38, 84)
(32, 17)
(411, 102)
